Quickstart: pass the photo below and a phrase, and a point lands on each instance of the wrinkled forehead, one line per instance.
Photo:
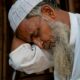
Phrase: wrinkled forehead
(34, 24)
(29, 26)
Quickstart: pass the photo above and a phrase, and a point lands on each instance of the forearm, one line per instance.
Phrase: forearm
(27, 58)
(16, 43)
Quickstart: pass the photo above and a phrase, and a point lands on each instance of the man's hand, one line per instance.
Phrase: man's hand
(38, 42)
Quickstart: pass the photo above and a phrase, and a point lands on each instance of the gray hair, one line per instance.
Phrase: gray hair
(63, 51)
(37, 10)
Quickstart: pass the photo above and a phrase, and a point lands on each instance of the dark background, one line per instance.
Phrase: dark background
(6, 35)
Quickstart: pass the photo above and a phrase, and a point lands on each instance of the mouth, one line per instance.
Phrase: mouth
(49, 44)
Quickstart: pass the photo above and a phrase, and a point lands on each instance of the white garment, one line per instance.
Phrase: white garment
(75, 19)
(74, 40)
(31, 59)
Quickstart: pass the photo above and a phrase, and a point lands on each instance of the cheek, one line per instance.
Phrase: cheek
(45, 37)
(45, 31)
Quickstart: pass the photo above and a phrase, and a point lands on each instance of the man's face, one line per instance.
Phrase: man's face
(27, 29)
(36, 30)
(45, 36)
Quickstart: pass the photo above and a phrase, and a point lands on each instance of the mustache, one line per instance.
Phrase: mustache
(50, 43)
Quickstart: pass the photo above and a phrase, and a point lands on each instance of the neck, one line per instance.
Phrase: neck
(62, 16)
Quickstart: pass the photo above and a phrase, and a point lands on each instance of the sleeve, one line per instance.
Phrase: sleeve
(30, 59)
(76, 65)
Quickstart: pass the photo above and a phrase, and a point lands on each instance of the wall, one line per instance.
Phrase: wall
(0, 40)
(5, 40)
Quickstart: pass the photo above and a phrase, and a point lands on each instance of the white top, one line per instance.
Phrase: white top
(32, 59)
(75, 20)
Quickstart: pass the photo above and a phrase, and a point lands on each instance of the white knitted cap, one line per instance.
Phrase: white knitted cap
(19, 10)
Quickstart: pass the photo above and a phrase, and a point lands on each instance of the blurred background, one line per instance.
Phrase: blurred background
(6, 35)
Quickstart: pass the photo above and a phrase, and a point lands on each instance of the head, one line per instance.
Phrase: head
(20, 9)
(32, 27)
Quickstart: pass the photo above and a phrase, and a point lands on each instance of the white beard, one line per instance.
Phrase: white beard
(62, 52)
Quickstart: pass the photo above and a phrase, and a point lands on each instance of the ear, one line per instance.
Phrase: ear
(48, 11)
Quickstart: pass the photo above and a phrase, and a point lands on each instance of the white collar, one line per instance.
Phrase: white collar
(74, 28)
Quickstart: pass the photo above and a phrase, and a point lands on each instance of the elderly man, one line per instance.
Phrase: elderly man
(56, 37)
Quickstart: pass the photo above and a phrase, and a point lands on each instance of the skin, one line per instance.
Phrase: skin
(36, 30)
(27, 28)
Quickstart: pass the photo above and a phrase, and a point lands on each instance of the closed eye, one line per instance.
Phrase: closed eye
(36, 33)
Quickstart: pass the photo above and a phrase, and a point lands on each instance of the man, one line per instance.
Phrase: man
(32, 59)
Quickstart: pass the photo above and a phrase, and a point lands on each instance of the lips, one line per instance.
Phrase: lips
(49, 44)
